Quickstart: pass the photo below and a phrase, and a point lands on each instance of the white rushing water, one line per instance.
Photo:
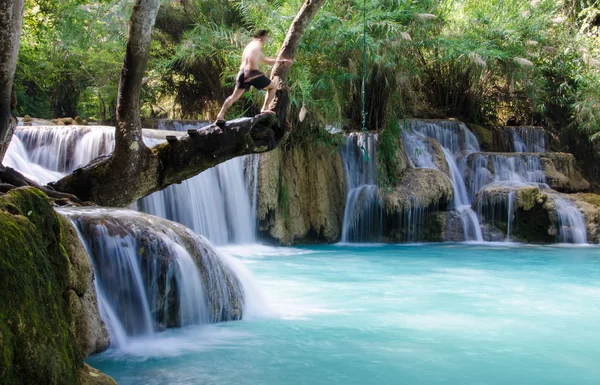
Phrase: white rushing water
(219, 203)
(153, 274)
(486, 168)
(363, 212)
(528, 139)
(571, 225)
(455, 139)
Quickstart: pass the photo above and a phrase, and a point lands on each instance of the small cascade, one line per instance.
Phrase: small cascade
(18, 158)
(455, 139)
(251, 163)
(485, 168)
(528, 139)
(571, 224)
(462, 203)
(417, 150)
(452, 135)
(153, 274)
(181, 125)
(363, 213)
(218, 203)
(511, 209)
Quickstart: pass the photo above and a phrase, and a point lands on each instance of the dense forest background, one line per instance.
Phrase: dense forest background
(490, 62)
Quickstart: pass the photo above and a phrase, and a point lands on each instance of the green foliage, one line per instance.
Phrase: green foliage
(388, 155)
(69, 58)
(533, 62)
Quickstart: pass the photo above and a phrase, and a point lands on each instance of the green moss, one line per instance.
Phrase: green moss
(590, 198)
(484, 136)
(283, 197)
(388, 155)
(36, 343)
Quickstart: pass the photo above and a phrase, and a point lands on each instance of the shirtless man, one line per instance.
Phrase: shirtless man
(249, 75)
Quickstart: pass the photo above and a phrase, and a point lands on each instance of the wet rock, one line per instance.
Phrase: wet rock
(419, 188)
(558, 170)
(38, 343)
(302, 193)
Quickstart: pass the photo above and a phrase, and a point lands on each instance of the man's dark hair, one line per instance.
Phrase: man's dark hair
(260, 33)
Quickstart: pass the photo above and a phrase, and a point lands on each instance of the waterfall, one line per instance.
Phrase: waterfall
(417, 150)
(511, 208)
(153, 274)
(363, 212)
(218, 203)
(571, 224)
(528, 139)
(18, 158)
(455, 139)
(485, 168)
(452, 135)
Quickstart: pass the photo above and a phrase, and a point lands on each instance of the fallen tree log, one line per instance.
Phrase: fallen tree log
(170, 163)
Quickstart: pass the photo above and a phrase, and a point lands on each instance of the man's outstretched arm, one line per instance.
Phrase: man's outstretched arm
(272, 60)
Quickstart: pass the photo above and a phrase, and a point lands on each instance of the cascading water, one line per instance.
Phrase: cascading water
(485, 168)
(528, 139)
(571, 225)
(153, 274)
(18, 158)
(217, 203)
(363, 213)
(455, 139)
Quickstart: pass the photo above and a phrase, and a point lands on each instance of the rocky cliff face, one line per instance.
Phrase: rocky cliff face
(302, 193)
(48, 314)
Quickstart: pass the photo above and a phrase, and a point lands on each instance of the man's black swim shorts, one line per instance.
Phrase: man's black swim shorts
(246, 79)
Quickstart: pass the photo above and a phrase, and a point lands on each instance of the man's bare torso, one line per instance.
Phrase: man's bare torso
(251, 56)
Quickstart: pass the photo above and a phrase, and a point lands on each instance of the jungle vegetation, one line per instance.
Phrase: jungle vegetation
(493, 62)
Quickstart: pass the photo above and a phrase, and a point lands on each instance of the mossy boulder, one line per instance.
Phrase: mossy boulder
(419, 188)
(37, 343)
(562, 174)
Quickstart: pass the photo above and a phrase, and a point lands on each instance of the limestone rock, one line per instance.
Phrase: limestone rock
(86, 323)
(37, 343)
(561, 172)
(484, 136)
(91, 376)
(419, 187)
(302, 191)
(438, 155)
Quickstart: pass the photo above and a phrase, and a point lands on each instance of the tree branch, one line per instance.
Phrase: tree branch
(173, 162)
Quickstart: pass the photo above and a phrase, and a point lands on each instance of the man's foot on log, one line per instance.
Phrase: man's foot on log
(220, 122)
(270, 112)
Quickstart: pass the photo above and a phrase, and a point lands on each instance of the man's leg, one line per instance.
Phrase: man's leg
(237, 93)
(268, 97)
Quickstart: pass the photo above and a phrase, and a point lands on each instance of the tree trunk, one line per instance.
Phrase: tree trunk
(11, 17)
(134, 171)
(129, 125)
(281, 70)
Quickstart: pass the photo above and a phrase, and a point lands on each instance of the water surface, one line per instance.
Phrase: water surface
(409, 314)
